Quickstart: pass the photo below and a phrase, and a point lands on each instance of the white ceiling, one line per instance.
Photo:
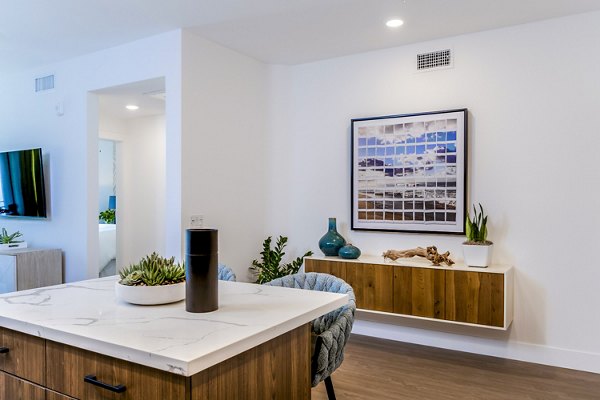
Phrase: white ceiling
(37, 32)
(147, 95)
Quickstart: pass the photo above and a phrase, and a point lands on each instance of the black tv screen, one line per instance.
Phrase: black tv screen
(22, 192)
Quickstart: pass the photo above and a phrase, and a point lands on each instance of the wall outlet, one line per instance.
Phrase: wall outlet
(197, 221)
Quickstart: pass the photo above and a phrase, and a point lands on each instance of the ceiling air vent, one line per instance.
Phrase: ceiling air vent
(44, 83)
(439, 59)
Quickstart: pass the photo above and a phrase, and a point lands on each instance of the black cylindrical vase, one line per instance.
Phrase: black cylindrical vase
(201, 270)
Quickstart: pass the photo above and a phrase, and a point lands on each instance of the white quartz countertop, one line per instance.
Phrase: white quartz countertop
(87, 315)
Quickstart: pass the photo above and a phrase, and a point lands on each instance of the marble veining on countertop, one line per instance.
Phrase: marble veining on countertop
(87, 315)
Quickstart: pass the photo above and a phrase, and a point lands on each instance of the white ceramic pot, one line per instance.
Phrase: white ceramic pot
(13, 246)
(478, 255)
(150, 295)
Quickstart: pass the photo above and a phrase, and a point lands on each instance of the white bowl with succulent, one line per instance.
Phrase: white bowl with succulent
(153, 280)
(477, 250)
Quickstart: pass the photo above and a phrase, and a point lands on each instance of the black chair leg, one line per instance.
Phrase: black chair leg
(329, 387)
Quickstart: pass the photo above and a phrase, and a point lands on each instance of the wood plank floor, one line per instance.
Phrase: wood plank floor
(383, 369)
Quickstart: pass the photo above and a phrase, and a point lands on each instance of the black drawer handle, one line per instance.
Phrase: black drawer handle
(4, 350)
(92, 379)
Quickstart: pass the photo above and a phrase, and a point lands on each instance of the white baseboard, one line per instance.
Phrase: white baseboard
(497, 347)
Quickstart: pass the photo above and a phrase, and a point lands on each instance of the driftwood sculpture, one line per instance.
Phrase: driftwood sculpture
(430, 253)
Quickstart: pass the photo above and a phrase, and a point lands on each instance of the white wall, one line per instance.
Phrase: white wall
(70, 142)
(219, 151)
(142, 211)
(532, 93)
(141, 186)
(106, 169)
(224, 141)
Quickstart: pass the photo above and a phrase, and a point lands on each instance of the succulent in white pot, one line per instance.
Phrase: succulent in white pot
(153, 280)
(10, 242)
(477, 250)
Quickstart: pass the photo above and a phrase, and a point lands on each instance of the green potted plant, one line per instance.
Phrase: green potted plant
(477, 250)
(270, 266)
(153, 280)
(108, 216)
(8, 241)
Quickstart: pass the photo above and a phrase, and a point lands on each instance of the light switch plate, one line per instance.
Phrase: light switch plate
(197, 221)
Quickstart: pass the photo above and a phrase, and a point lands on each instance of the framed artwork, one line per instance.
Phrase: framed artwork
(409, 172)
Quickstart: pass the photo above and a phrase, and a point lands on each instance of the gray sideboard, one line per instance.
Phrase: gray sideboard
(22, 269)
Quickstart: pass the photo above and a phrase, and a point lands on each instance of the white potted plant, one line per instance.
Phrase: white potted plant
(477, 250)
(9, 242)
(153, 280)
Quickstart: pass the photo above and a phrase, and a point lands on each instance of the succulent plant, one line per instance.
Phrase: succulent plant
(476, 228)
(153, 270)
(5, 238)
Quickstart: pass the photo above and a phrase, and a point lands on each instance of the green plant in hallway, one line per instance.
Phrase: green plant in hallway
(6, 238)
(108, 216)
(270, 265)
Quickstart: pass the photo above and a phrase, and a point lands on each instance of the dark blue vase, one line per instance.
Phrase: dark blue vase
(349, 252)
(331, 242)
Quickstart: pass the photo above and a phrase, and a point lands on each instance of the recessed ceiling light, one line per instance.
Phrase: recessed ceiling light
(131, 107)
(394, 23)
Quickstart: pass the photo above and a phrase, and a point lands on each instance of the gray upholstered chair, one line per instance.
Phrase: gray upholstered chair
(225, 273)
(331, 331)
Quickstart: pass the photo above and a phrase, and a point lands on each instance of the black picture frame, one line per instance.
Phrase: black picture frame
(409, 172)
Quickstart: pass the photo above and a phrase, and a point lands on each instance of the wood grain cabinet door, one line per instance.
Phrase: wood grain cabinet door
(276, 369)
(475, 297)
(50, 395)
(13, 388)
(23, 355)
(419, 292)
(39, 268)
(68, 366)
(335, 268)
(373, 286)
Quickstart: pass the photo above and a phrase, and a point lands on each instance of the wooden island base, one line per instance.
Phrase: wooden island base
(39, 369)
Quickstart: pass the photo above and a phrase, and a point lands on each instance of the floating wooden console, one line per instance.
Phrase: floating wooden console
(416, 289)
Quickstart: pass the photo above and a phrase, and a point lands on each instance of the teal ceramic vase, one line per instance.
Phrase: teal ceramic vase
(331, 242)
(349, 252)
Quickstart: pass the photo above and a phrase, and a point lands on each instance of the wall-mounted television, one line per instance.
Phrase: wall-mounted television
(22, 192)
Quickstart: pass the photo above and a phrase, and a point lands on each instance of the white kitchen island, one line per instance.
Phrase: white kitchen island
(256, 345)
